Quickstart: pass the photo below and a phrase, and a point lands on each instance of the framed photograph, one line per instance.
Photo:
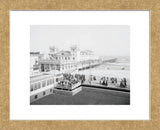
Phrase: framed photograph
(79, 65)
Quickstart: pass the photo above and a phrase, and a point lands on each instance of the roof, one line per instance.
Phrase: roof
(42, 77)
(49, 61)
(63, 53)
(34, 53)
(39, 77)
(88, 96)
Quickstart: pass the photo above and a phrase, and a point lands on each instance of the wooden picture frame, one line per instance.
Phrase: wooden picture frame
(152, 5)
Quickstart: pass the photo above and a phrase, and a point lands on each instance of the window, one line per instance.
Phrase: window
(31, 88)
(44, 84)
(35, 87)
(50, 81)
(56, 79)
(36, 68)
(44, 93)
(53, 80)
(36, 96)
(73, 58)
(50, 90)
(65, 58)
(39, 85)
(47, 82)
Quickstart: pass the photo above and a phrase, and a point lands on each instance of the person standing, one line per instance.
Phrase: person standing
(106, 83)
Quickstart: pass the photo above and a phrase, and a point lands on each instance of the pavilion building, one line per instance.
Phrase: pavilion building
(67, 61)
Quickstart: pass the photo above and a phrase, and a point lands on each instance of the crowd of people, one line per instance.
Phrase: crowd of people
(113, 80)
(76, 77)
(69, 80)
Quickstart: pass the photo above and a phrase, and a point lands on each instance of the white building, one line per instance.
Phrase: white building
(34, 63)
(42, 85)
(67, 60)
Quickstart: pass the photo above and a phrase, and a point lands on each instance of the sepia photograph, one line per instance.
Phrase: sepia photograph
(79, 65)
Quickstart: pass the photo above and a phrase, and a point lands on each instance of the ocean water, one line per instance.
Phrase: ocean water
(119, 69)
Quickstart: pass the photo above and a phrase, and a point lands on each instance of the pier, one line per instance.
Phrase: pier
(94, 63)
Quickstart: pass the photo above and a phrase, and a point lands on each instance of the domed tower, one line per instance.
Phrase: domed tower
(53, 49)
(75, 52)
(74, 49)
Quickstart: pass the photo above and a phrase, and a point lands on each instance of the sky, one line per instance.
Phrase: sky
(103, 40)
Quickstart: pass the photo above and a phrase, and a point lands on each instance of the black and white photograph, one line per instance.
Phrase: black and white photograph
(80, 65)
